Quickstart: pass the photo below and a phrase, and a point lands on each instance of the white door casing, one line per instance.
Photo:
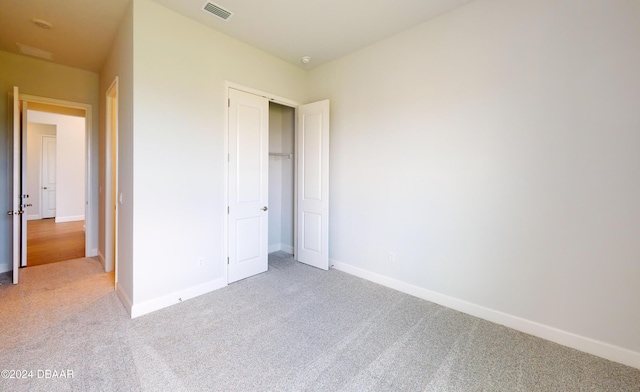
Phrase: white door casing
(111, 183)
(14, 121)
(312, 141)
(48, 186)
(248, 185)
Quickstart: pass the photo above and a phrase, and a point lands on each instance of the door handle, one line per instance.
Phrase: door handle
(264, 208)
(44, 187)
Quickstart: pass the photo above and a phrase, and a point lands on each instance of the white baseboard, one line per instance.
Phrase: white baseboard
(61, 219)
(92, 253)
(5, 268)
(34, 217)
(100, 257)
(581, 343)
(152, 305)
(274, 248)
(282, 247)
(124, 298)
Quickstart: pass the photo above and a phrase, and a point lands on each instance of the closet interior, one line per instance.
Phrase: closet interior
(281, 177)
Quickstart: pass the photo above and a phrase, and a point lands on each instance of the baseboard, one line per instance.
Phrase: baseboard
(5, 268)
(34, 217)
(61, 219)
(93, 253)
(100, 257)
(274, 248)
(281, 247)
(124, 298)
(581, 343)
(152, 305)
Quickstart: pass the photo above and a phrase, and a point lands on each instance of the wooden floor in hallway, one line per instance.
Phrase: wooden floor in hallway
(50, 242)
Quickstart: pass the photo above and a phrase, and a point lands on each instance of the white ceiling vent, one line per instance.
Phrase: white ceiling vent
(216, 10)
(35, 52)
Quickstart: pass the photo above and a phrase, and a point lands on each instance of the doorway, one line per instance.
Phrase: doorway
(281, 177)
(54, 142)
(111, 181)
(19, 105)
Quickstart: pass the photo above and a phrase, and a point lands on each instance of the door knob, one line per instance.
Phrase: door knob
(264, 208)
(44, 187)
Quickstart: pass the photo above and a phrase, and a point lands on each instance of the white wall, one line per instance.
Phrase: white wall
(44, 79)
(34, 165)
(179, 102)
(70, 163)
(119, 63)
(495, 151)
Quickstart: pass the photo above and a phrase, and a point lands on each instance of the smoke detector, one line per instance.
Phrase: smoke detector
(305, 59)
(216, 10)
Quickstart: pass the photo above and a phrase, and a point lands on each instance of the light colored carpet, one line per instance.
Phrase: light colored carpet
(293, 328)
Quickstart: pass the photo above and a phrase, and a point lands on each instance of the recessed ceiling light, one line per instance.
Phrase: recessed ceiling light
(42, 23)
(305, 59)
(35, 52)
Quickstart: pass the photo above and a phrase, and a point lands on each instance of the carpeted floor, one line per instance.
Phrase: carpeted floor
(293, 328)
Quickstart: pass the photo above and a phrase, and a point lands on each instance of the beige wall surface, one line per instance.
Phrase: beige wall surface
(179, 103)
(70, 163)
(495, 151)
(119, 63)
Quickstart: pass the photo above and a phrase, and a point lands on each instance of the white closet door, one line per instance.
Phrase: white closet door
(313, 184)
(248, 185)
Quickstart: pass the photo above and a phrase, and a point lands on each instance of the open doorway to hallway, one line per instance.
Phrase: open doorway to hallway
(54, 143)
(50, 242)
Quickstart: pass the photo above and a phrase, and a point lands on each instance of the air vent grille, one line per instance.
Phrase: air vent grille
(216, 10)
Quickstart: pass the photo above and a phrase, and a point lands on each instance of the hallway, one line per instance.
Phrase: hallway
(50, 242)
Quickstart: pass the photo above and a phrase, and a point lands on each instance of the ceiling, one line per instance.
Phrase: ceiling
(82, 32)
(325, 30)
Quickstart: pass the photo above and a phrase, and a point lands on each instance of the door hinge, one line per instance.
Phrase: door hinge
(228, 209)
(227, 260)
(229, 102)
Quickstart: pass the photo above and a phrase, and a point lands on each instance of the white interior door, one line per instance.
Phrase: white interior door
(248, 185)
(48, 199)
(24, 197)
(313, 184)
(16, 211)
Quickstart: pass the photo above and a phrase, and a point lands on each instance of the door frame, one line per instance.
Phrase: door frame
(88, 184)
(275, 99)
(111, 177)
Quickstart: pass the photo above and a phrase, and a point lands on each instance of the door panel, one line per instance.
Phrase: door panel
(313, 184)
(24, 197)
(14, 119)
(248, 185)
